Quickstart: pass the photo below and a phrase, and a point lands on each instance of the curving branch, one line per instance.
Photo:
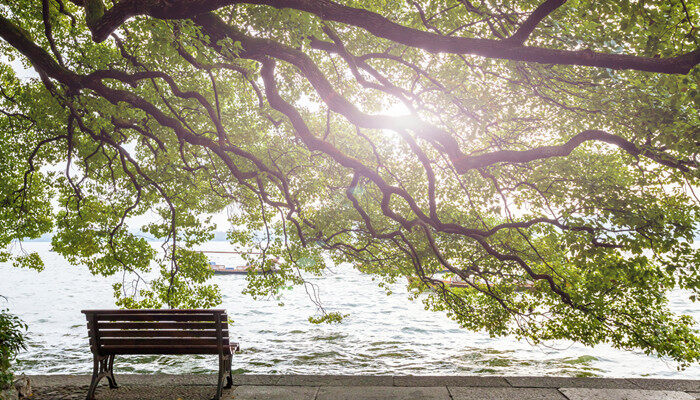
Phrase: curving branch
(529, 25)
(103, 23)
(512, 156)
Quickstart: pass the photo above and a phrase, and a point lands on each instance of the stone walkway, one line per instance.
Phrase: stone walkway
(367, 387)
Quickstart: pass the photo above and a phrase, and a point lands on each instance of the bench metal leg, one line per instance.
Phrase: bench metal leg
(102, 367)
(220, 380)
(95, 378)
(229, 378)
(110, 373)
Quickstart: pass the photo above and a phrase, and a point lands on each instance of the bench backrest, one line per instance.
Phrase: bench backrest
(157, 331)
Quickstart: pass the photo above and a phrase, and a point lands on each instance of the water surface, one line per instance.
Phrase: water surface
(383, 334)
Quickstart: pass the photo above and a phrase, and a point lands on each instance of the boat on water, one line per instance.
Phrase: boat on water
(221, 269)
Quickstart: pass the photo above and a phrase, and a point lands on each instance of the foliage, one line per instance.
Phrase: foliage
(12, 341)
(545, 153)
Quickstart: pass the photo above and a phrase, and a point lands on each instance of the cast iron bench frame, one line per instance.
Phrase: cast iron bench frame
(119, 332)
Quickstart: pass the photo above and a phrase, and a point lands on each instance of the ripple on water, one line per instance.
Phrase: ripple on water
(261, 363)
(329, 338)
(579, 360)
(397, 354)
(317, 356)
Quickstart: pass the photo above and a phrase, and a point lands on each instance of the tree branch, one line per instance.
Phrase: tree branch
(382, 27)
(541, 12)
(512, 156)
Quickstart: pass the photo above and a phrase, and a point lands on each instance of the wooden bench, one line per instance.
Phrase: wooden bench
(114, 332)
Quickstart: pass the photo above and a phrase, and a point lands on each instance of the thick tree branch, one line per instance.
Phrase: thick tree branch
(36, 55)
(512, 156)
(541, 12)
(382, 27)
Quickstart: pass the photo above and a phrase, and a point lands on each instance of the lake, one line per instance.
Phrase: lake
(383, 334)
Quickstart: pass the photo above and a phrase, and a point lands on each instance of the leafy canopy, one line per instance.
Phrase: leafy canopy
(544, 153)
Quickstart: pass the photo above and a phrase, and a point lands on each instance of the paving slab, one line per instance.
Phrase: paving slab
(192, 392)
(502, 393)
(58, 380)
(255, 380)
(685, 385)
(126, 379)
(423, 380)
(273, 393)
(382, 393)
(623, 394)
(557, 382)
(335, 380)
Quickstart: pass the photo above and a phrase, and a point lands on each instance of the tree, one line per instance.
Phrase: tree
(544, 153)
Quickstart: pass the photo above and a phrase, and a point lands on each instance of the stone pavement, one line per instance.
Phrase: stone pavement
(368, 387)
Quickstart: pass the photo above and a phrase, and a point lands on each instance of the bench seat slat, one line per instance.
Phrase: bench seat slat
(159, 350)
(128, 342)
(150, 343)
(157, 317)
(154, 325)
(157, 311)
(160, 333)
